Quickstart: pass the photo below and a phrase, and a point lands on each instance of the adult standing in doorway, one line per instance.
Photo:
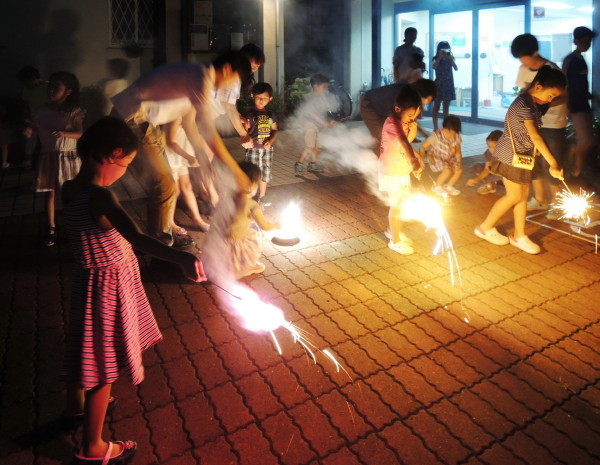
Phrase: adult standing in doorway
(377, 104)
(580, 111)
(403, 54)
(443, 64)
(181, 90)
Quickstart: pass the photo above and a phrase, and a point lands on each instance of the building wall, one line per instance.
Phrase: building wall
(55, 35)
(360, 45)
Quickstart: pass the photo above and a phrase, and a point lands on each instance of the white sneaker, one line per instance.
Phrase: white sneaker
(533, 204)
(492, 236)
(403, 237)
(401, 247)
(452, 190)
(525, 244)
(439, 190)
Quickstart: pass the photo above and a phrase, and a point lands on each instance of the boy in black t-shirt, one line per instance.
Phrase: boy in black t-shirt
(262, 130)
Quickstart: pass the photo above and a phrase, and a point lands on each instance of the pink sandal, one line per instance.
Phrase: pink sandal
(126, 454)
(179, 231)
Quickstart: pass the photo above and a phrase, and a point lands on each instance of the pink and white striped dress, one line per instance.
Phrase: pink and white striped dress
(111, 322)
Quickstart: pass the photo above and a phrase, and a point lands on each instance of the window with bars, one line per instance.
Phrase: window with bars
(131, 22)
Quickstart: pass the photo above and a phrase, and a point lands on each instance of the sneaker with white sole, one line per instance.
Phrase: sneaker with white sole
(401, 247)
(533, 204)
(492, 236)
(298, 167)
(315, 168)
(403, 237)
(525, 244)
(439, 190)
(452, 190)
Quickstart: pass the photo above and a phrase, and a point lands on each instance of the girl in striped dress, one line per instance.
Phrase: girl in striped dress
(521, 136)
(111, 322)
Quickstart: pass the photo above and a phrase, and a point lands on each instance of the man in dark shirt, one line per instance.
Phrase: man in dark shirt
(377, 104)
(576, 70)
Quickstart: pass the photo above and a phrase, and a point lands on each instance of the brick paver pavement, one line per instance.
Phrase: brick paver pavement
(503, 370)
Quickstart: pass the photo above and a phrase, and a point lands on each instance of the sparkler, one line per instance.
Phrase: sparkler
(291, 226)
(426, 210)
(262, 317)
(573, 206)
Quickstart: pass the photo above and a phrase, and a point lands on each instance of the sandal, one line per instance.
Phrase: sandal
(51, 237)
(126, 454)
(179, 231)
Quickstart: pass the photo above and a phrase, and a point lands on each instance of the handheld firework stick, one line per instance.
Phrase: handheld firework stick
(573, 206)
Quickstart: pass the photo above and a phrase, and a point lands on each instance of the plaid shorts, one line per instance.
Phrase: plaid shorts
(261, 158)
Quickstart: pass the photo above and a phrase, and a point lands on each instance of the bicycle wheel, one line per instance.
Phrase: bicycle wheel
(345, 103)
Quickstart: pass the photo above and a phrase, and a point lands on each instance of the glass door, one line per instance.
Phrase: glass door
(497, 68)
(456, 30)
(415, 19)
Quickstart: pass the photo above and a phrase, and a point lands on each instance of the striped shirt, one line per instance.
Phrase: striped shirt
(521, 110)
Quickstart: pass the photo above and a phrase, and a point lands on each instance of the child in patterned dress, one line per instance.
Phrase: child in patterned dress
(110, 321)
(59, 124)
(243, 237)
(445, 155)
(397, 161)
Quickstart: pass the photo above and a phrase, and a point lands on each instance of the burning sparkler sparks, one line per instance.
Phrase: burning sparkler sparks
(291, 226)
(428, 211)
(574, 206)
(262, 317)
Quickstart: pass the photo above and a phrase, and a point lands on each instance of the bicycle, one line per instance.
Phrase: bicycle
(344, 110)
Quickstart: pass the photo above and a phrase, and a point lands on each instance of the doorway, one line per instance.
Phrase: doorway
(497, 68)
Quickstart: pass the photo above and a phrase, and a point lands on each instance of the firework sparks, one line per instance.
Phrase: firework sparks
(428, 211)
(291, 226)
(262, 317)
(574, 206)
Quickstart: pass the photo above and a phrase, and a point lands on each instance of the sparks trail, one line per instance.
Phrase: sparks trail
(574, 206)
(263, 317)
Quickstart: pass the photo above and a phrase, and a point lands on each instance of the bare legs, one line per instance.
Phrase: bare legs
(436, 110)
(50, 208)
(94, 412)
(395, 223)
(262, 189)
(515, 198)
(314, 152)
(447, 174)
(184, 186)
